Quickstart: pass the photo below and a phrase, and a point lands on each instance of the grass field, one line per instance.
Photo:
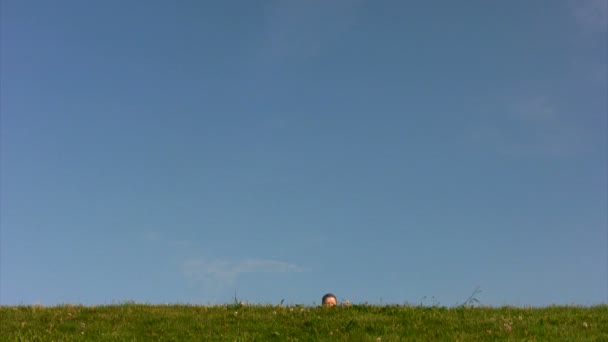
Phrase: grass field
(138, 322)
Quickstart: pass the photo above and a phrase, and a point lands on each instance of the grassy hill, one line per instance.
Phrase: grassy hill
(137, 322)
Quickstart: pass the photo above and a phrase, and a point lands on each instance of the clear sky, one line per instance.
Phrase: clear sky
(386, 151)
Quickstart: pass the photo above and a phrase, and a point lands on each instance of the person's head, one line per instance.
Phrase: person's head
(329, 300)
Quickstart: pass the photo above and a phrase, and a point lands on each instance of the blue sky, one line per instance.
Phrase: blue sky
(386, 151)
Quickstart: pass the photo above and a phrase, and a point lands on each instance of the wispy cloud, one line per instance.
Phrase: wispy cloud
(151, 236)
(304, 28)
(154, 237)
(539, 128)
(229, 271)
(536, 109)
(531, 126)
(592, 15)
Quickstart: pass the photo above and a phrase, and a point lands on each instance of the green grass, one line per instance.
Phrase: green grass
(135, 322)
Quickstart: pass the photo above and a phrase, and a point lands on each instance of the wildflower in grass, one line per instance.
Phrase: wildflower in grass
(346, 303)
(586, 325)
(379, 339)
(508, 327)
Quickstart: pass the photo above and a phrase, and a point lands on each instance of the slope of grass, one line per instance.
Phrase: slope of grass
(135, 322)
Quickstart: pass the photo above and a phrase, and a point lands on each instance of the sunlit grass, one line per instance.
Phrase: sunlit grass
(300, 323)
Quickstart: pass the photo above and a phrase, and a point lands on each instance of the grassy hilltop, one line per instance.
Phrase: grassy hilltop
(137, 322)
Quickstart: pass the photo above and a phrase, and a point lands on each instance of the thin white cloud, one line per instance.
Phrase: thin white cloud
(229, 271)
(544, 146)
(539, 128)
(529, 127)
(590, 60)
(592, 15)
(303, 28)
(536, 109)
(181, 243)
(599, 73)
(151, 236)
(155, 237)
